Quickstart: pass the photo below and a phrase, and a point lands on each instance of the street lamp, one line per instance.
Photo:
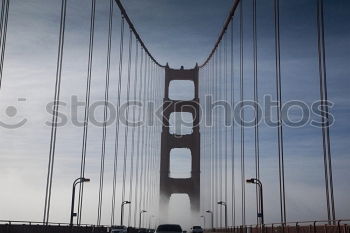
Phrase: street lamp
(225, 205)
(212, 218)
(122, 211)
(203, 221)
(141, 212)
(258, 182)
(77, 181)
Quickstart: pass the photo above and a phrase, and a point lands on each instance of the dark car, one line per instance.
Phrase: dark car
(142, 230)
(169, 228)
(119, 229)
(197, 229)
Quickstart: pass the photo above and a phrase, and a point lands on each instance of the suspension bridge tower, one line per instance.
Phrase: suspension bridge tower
(169, 185)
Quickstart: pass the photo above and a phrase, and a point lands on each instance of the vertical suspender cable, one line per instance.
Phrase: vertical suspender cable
(242, 113)
(256, 103)
(141, 130)
(216, 142)
(133, 132)
(233, 188)
(325, 113)
(144, 136)
(116, 142)
(209, 115)
(55, 113)
(87, 106)
(3, 31)
(138, 155)
(206, 180)
(279, 110)
(148, 137)
(2, 14)
(153, 136)
(152, 139)
(213, 205)
(225, 115)
(105, 112)
(148, 148)
(126, 130)
(219, 91)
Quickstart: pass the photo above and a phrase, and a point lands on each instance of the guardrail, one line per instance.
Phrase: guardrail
(41, 223)
(10, 226)
(324, 226)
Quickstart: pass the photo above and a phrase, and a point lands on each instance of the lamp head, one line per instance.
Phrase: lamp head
(251, 181)
(85, 179)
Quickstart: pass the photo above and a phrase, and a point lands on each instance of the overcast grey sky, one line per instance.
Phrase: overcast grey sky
(181, 33)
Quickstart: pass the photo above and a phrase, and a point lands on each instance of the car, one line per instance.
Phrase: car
(142, 230)
(197, 229)
(169, 228)
(119, 229)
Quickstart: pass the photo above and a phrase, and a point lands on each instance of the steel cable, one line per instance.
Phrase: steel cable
(256, 103)
(55, 112)
(133, 132)
(126, 130)
(241, 25)
(279, 110)
(3, 34)
(116, 142)
(105, 112)
(233, 189)
(87, 107)
(327, 156)
(136, 206)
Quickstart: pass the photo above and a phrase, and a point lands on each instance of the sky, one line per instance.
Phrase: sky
(180, 33)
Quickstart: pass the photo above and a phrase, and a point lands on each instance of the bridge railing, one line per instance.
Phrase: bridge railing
(51, 227)
(338, 226)
(30, 223)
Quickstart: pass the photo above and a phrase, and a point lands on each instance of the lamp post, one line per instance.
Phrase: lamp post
(212, 218)
(203, 221)
(141, 212)
(258, 182)
(122, 211)
(225, 205)
(77, 181)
